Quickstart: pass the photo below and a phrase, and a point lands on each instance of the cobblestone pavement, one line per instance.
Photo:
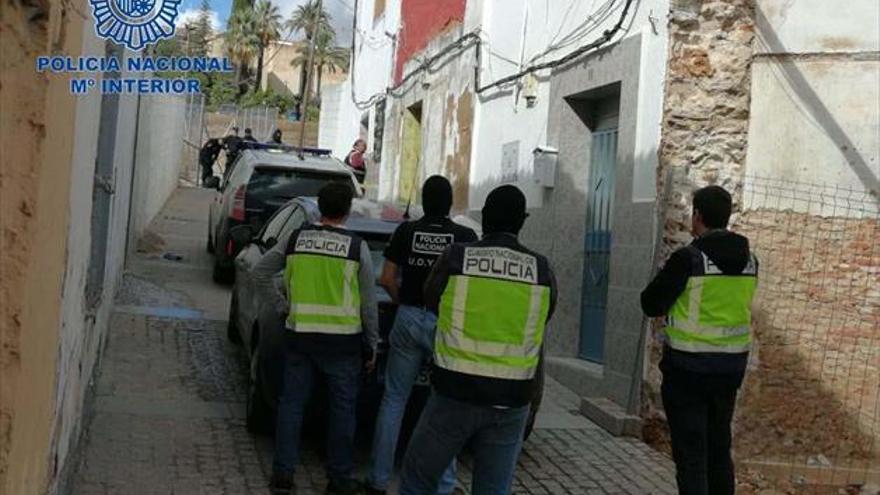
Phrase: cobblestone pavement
(168, 414)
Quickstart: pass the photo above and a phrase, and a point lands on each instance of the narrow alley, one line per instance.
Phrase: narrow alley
(168, 409)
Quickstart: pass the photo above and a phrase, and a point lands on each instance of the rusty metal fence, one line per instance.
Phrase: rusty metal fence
(808, 418)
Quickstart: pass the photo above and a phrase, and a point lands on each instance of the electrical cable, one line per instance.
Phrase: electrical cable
(605, 38)
(580, 32)
(473, 39)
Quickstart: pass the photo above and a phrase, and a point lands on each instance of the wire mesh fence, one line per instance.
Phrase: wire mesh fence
(193, 138)
(260, 119)
(202, 124)
(808, 418)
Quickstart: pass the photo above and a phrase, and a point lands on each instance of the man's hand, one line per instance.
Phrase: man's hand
(370, 361)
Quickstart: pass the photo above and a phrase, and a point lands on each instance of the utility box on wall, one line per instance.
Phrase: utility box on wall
(544, 164)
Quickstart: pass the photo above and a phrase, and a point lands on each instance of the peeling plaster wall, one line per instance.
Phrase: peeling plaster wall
(37, 140)
(423, 21)
(446, 96)
(83, 329)
(51, 341)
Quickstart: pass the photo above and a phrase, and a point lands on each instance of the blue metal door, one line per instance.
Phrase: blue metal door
(597, 244)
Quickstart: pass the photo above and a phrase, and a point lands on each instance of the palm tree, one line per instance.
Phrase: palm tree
(327, 56)
(309, 19)
(268, 23)
(242, 43)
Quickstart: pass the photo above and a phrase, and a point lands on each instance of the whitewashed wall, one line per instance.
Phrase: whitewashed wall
(815, 97)
(516, 33)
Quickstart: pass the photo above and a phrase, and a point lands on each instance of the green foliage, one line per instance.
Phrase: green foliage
(269, 98)
(239, 5)
(327, 55)
(313, 113)
(309, 19)
(199, 32)
(219, 88)
(242, 43)
(268, 22)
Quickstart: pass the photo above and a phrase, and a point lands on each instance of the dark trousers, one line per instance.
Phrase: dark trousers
(342, 373)
(699, 409)
(445, 427)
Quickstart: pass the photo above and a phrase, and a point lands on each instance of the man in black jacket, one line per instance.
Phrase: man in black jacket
(493, 299)
(705, 292)
(413, 250)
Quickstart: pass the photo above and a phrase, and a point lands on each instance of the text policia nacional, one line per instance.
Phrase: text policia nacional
(126, 77)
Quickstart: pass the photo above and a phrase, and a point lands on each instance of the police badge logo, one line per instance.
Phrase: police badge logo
(135, 23)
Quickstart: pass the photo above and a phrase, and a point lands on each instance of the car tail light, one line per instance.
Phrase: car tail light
(237, 212)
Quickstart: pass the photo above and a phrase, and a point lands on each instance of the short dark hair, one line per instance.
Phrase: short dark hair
(504, 210)
(714, 204)
(334, 200)
(437, 196)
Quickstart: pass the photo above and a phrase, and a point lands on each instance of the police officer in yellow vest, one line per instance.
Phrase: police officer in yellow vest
(705, 292)
(493, 299)
(332, 318)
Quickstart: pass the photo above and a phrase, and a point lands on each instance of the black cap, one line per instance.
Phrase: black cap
(505, 210)
(437, 196)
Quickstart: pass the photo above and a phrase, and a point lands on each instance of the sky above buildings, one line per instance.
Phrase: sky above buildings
(341, 13)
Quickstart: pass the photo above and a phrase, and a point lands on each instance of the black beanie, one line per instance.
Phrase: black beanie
(436, 196)
(504, 211)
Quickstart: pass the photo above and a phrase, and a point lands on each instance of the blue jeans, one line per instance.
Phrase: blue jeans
(411, 345)
(446, 426)
(342, 374)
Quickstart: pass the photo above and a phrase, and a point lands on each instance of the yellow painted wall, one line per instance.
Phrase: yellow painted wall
(36, 139)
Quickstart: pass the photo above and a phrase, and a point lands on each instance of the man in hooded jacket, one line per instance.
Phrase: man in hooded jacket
(705, 292)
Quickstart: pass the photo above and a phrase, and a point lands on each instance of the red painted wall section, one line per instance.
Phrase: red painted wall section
(422, 20)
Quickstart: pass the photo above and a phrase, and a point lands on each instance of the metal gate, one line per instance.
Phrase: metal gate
(597, 244)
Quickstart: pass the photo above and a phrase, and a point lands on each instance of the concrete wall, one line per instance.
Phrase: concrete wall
(815, 111)
(337, 131)
(616, 69)
(158, 158)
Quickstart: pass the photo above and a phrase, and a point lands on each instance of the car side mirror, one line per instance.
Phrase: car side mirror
(241, 235)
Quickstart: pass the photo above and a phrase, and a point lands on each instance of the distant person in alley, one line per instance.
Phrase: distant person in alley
(276, 137)
(356, 160)
(207, 156)
(705, 291)
(249, 135)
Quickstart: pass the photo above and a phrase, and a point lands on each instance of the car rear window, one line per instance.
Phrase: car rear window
(281, 183)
